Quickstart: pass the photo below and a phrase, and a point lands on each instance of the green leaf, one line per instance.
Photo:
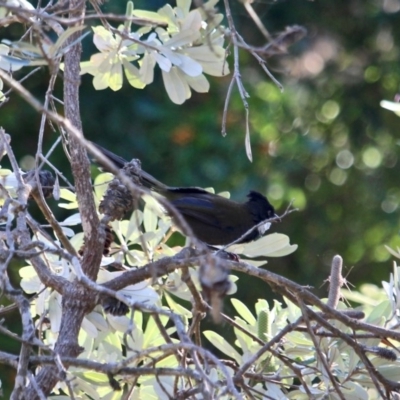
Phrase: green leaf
(177, 88)
(244, 312)
(199, 84)
(221, 344)
(392, 106)
(151, 16)
(132, 74)
(64, 36)
(273, 245)
(380, 313)
(149, 219)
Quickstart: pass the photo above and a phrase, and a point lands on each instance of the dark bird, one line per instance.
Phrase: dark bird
(213, 219)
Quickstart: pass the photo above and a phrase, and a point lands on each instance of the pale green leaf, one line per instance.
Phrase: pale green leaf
(163, 62)
(153, 16)
(67, 231)
(77, 240)
(133, 76)
(72, 220)
(177, 88)
(101, 183)
(285, 251)
(392, 106)
(88, 388)
(70, 196)
(149, 219)
(244, 312)
(187, 65)
(192, 21)
(174, 306)
(11, 64)
(103, 39)
(98, 321)
(64, 36)
(55, 311)
(269, 246)
(380, 313)
(221, 344)
(199, 84)
(119, 323)
(147, 65)
(101, 81)
(183, 38)
(95, 377)
(395, 253)
(115, 80)
(89, 328)
(132, 227)
(152, 335)
(353, 391)
(30, 282)
(184, 5)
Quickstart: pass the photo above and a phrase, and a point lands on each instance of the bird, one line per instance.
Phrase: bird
(214, 220)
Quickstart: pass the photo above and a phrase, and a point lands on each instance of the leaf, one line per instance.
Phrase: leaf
(247, 136)
(221, 344)
(177, 88)
(176, 307)
(133, 76)
(11, 64)
(380, 313)
(244, 312)
(72, 220)
(64, 37)
(183, 38)
(184, 5)
(115, 78)
(149, 219)
(101, 183)
(163, 62)
(199, 83)
(89, 328)
(273, 245)
(100, 81)
(151, 16)
(119, 323)
(55, 311)
(392, 106)
(187, 65)
(98, 321)
(192, 21)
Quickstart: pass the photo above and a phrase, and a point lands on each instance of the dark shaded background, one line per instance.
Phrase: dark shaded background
(303, 140)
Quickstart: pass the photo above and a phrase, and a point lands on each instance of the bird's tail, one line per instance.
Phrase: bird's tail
(146, 179)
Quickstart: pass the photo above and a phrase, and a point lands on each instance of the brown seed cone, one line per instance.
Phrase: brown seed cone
(119, 199)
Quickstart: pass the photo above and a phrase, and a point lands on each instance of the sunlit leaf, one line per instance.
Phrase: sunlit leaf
(64, 37)
(198, 83)
(152, 16)
(244, 312)
(55, 311)
(72, 220)
(133, 75)
(392, 106)
(177, 88)
(182, 38)
(89, 327)
(221, 344)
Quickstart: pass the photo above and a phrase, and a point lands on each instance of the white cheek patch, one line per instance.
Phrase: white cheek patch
(264, 227)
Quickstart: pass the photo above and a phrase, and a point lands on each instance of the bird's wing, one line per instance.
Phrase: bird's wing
(197, 208)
